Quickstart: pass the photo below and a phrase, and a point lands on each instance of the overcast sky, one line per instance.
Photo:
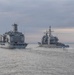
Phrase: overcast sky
(34, 16)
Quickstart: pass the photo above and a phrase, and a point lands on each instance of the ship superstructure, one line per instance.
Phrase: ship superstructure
(13, 39)
(48, 40)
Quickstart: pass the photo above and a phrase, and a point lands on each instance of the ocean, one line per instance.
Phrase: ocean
(37, 61)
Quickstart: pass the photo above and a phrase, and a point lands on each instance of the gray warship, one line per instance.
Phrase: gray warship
(13, 39)
(50, 41)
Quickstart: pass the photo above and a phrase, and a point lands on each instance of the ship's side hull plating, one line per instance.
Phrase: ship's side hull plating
(13, 46)
(51, 46)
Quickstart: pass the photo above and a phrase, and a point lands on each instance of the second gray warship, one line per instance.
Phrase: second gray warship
(50, 41)
(13, 39)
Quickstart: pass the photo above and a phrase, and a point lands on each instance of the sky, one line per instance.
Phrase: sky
(35, 16)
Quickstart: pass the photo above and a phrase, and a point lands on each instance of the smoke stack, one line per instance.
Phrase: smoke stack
(15, 29)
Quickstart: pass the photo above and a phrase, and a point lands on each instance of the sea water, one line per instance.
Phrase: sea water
(37, 61)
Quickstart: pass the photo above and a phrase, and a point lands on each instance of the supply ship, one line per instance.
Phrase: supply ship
(50, 41)
(13, 39)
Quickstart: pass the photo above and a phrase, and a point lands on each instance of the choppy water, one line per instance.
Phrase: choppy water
(37, 61)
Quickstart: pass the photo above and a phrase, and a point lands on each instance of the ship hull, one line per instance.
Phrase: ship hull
(13, 46)
(52, 46)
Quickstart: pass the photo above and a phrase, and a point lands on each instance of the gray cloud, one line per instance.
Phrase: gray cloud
(36, 14)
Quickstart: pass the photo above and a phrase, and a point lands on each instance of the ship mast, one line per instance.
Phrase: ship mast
(15, 29)
(49, 35)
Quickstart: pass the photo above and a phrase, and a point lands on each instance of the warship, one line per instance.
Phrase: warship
(13, 39)
(50, 41)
